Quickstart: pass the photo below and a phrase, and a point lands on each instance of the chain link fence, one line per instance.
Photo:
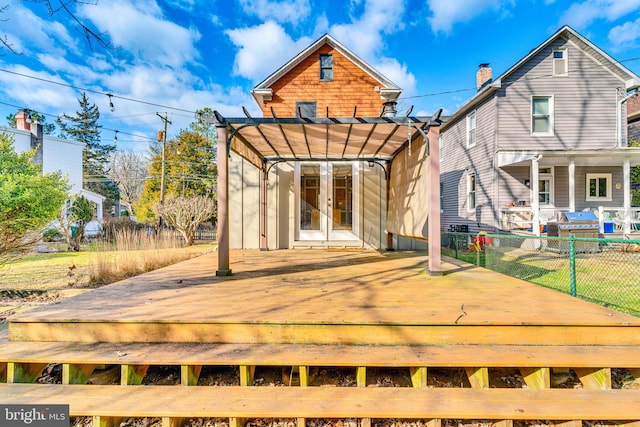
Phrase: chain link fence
(604, 271)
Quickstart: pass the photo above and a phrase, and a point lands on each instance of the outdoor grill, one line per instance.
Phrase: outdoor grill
(578, 224)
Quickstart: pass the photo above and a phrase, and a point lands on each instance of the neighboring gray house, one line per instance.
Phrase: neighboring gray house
(547, 136)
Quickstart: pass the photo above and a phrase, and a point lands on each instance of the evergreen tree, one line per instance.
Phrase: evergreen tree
(84, 128)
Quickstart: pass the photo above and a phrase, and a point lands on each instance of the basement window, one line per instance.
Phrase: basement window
(326, 68)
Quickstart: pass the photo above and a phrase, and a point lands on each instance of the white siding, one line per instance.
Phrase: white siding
(66, 157)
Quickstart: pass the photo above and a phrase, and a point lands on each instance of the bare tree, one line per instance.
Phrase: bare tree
(128, 170)
(90, 34)
(4, 42)
(186, 214)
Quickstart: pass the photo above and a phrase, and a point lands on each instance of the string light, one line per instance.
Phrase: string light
(115, 137)
(111, 106)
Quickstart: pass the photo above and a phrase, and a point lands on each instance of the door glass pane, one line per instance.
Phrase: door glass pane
(310, 197)
(342, 209)
(544, 194)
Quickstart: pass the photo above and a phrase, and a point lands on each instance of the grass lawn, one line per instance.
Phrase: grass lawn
(608, 277)
(89, 267)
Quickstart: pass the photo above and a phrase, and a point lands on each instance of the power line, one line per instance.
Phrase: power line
(107, 94)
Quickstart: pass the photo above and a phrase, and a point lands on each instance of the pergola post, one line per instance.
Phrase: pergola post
(433, 224)
(263, 209)
(223, 201)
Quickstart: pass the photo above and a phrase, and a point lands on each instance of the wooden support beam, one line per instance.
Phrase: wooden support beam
(572, 423)
(594, 378)
(99, 421)
(189, 374)
(24, 372)
(537, 377)
(237, 422)
(478, 377)
(303, 371)
(418, 376)
(172, 422)
(435, 422)
(365, 422)
(246, 375)
(301, 422)
(76, 373)
(503, 423)
(132, 374)
(361, 376)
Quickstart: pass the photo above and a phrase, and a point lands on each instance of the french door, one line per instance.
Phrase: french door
(327, 200)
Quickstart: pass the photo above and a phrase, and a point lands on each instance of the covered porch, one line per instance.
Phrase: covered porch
(546, 184)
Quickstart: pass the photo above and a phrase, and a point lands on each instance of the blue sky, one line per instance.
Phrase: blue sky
(188, 54)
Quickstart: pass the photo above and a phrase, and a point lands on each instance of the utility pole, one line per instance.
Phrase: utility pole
(165, 120)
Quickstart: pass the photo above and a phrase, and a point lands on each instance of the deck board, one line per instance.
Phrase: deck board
(331, 402)
(273, 294)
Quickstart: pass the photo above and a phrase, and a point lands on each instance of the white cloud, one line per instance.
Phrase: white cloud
(37, 94)
(28, 33)
(289, 11)
(142, 31)
(581, 15)
(263, 49)
(364, 33)
(446, 13)
(625, 36)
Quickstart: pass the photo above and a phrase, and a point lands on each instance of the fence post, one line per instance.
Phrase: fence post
(572, 265)
(455, 243)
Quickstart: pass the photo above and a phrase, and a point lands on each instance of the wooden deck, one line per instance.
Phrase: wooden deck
(321, 297)
(308, 309)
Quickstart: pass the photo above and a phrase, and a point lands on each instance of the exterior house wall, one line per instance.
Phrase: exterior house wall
(633, 114)
(459, 161)
(58, 155)
(584, 103)
(65, 156)
(349, 88)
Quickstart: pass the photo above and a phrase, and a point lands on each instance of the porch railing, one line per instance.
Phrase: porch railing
(611, 219)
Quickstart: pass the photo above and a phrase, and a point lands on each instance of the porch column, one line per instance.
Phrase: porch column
(263, 209)
(535, 190)
(626, 172)
(433, 222)
(223, 201)
(572, 185)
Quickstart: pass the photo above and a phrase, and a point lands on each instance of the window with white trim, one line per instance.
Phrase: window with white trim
(599, 187)
(442, 197)
(471, 192)
(560, 62)
(542, 115)
(471, 129)
(441, 147)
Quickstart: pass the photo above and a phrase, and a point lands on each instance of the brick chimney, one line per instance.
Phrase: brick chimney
(483, 76)
(23, 120)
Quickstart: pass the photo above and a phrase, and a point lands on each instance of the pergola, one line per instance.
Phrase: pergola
(267, 141)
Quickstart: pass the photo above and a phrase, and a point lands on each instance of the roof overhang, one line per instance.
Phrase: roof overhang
(264, 140)
(594, 157)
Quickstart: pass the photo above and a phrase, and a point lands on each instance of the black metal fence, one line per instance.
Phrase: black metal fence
(605, 271)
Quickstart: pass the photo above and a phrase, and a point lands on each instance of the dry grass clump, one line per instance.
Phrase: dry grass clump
(134, 252)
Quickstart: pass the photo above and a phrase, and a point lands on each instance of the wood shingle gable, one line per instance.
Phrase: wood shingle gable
(355, 84)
